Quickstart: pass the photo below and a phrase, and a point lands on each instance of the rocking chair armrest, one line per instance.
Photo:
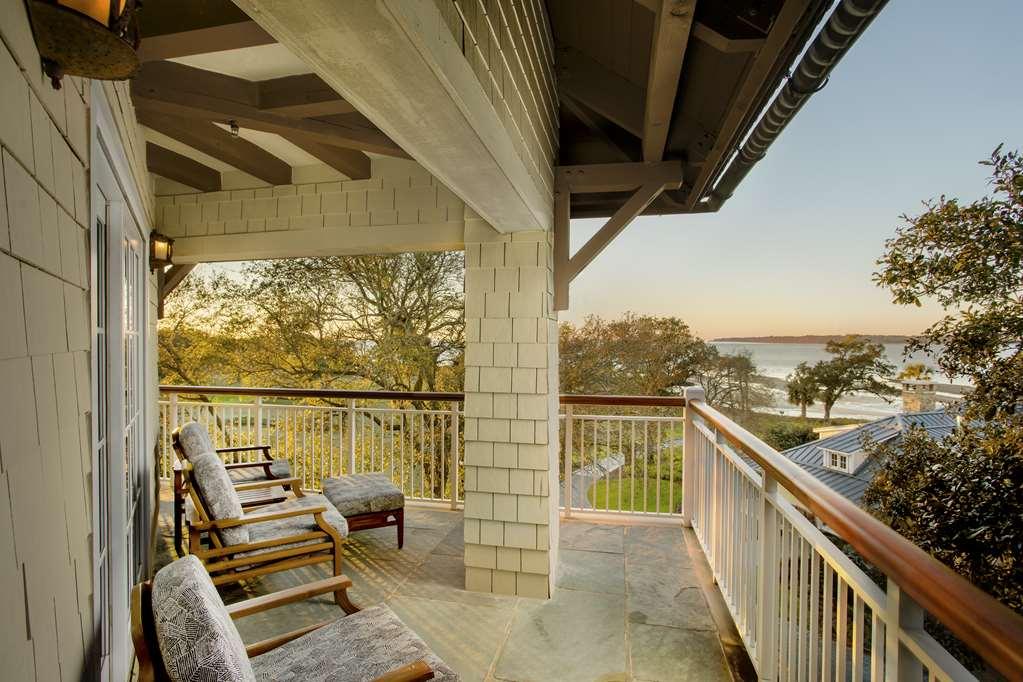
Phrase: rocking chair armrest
(268, 483)
(413, 672)
(289, 596)
(247, 465)
(245, 448)
(249, 519)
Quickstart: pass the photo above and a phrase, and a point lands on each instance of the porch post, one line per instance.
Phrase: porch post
(511, 412)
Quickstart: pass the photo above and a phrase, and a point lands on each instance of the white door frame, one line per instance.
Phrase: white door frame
(115, 200)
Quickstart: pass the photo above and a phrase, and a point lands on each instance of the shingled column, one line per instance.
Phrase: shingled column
(511, 412)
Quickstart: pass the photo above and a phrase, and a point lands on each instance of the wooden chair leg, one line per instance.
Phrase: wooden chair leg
(179, 513)
(400, 518)
(341, 596)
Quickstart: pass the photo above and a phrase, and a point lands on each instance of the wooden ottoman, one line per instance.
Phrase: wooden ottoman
(368, 501)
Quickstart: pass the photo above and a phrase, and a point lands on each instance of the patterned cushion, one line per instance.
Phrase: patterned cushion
(293, 525)
(218, 491)
(197, 638)
(359, 647)
(363, 493)
(194, 440)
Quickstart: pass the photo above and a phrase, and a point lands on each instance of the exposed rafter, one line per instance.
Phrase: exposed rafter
(351, 162)
(201, 40)
(303, 96)
(181, 168)
(648, 180)
(220, 144)
(706, 34)
(672, 23)
(185, 91)
(600, 130)
(600, 89)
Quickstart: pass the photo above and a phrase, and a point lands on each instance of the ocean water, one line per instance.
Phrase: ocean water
(778, 360)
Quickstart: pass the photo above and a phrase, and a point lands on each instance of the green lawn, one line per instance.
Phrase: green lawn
(609, 490)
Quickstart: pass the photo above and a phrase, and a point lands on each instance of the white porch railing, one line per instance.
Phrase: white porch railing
(415, 441)
(804, 610)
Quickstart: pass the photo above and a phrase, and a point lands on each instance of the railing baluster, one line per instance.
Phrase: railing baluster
(841, 628)
(827, 630)
(455, 458)
(767, 585)
(857, 638)
(567, 485)
(351, 436)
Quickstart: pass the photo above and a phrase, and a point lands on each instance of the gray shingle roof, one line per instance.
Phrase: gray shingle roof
(810, 456)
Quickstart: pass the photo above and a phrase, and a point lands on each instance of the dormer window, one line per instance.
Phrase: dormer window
(839, 461)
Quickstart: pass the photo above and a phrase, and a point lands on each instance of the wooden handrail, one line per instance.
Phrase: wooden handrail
(311, 393)
(565, 399)
(983, 623)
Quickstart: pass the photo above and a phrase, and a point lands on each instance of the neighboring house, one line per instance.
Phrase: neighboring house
(840, 462)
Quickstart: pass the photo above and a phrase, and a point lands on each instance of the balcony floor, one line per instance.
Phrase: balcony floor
(629, 603)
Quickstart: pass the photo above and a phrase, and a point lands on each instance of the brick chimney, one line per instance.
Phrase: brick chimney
(918, 396)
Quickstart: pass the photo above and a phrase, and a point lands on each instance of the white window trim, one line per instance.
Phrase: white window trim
(830, 455)
(107, 151)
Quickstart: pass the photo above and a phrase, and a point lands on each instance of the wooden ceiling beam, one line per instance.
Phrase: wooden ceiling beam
(618, 177)
(214, 141)
(184, 91)
(180, 168)
(202, 40)
(353, 163)
(303, 96)
(601, 89)
(673, 21)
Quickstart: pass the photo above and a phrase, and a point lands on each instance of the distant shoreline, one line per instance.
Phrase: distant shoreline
(812, 338)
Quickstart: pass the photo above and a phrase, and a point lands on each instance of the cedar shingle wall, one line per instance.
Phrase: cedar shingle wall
(45, 439)
(508, 44)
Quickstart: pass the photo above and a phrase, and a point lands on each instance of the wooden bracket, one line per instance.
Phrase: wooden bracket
(167, 281)
(647, 180)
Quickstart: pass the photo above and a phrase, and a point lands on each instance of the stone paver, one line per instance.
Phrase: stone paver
(591, 571)
(592, 536)
(627, 605)
(576, 636)
(663, 653)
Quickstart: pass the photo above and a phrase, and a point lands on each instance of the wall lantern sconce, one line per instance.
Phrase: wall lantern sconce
(89, 38)
(161, 251)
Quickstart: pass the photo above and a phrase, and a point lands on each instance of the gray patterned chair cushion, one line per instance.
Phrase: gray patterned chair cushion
(359, 647)
(195, 440)
(218, 491)
(294, 525)
(197, 638)
(363, 493)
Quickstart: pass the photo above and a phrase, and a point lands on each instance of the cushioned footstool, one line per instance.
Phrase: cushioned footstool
(368, 501)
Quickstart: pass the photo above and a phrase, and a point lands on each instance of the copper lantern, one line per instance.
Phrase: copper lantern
(88, 38)
(161, 251)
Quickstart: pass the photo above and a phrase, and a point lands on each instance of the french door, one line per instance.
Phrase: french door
(121, 470)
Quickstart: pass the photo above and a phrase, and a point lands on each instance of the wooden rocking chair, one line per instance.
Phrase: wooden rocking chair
(303, 531)
(265, 469)
(372, 645)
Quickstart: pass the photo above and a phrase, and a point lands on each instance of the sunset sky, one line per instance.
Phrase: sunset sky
(927, 92)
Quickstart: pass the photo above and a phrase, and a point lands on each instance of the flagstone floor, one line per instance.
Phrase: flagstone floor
(629, 605)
